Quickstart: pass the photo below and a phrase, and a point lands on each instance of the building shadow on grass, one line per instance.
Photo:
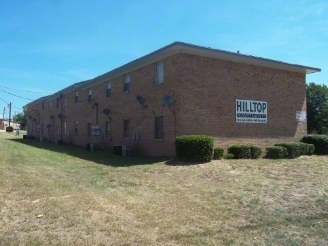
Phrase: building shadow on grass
(98, 156)
(177, 162)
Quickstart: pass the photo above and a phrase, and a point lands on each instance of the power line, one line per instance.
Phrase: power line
(16, 107)
(25, 90)
(11, 104)
(16, 95)
(4, 101)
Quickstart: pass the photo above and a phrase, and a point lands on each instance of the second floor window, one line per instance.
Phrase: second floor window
(109, 90)
(90, 95)
(159, 73)
(76, 96)
(126, 84)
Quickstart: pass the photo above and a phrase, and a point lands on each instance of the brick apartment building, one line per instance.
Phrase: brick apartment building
(176, 90)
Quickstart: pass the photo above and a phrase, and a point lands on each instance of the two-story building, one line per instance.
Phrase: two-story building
(176, 90)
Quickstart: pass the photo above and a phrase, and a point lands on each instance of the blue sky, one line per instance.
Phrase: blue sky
(47, 45)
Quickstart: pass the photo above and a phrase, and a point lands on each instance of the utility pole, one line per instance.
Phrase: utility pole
(3, 118)
(9, 112)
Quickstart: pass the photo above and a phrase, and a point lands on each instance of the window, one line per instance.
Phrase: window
(75, 127)
(107, 133)
(159, 76)
(57, 102)
(126, 84)
(65, 128)
(43, 105)
(109, 89)
(90, 95)
(65, 102)
(159, 127)
(76, 96)
(89, 129)
(42, 129)
(126, 128)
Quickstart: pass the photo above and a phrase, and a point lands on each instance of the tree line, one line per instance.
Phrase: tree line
(317, 108)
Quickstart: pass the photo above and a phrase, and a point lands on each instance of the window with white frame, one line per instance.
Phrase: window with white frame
(109, 89)
(126, 84)
(76, 96)
(65, 128)
(159, 75)
(90, 95)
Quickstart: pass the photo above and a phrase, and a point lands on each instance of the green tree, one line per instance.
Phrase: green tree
(317, 108)
(21, 117)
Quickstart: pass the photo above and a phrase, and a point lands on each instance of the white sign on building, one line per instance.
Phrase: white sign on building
(300, 115)
(248, 111)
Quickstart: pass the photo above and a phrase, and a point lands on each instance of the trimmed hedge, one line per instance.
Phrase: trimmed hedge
(307, 149)
(311, 149)
(218, 153)
(276, 152)
(296, 149)
(293, 149)
(256, 152)
(245, 151)
(229, 156)
(194, 148)
(320, 143)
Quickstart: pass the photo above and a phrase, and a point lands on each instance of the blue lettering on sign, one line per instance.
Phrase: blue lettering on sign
(251, 111)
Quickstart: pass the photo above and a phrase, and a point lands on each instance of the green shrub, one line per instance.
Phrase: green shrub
(194, 148)
(245, 151)
(229, 156)
(276, 152)
(304, 148)
(218, 153)
(307, 149)
(256, 152)
(294, 149)
(320, 143)
(240, 151)
(311, 149)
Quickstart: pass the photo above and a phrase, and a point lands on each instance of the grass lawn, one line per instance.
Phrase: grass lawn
(65, 195)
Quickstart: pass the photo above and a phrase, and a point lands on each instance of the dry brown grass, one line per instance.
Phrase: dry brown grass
(62, 195)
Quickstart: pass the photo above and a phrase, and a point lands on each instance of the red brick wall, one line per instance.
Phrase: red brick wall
(123, 106)
(210, 87)
(205, 92)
